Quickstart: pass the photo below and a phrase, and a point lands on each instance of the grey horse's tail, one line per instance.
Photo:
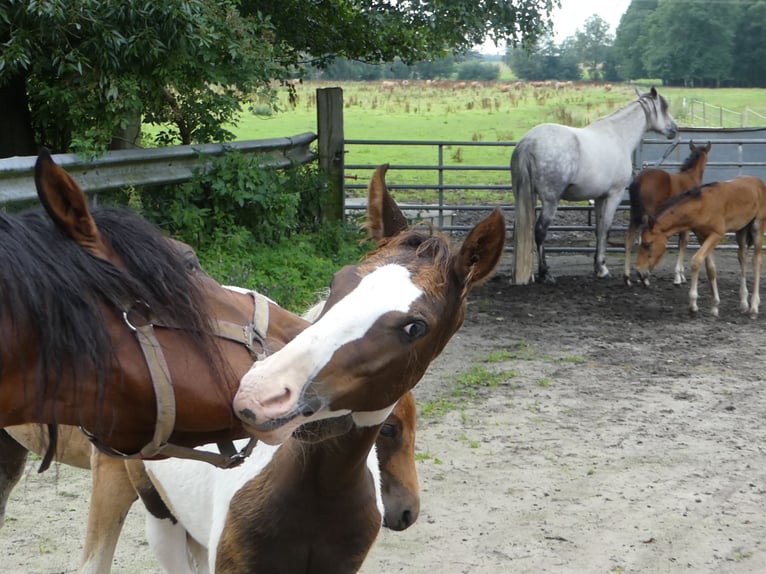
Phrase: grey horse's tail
(524, 217)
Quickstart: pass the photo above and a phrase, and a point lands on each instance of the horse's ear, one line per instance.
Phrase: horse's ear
(384, 218)
(638, 92)
(691, 145)
(65, 202)
(653, 93)
(708, 146)
(481, 250)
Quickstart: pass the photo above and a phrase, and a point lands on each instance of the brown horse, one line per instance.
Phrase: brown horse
(306, 494)
(400, 307)
(651, 188)
(100, 313)
(113, 493)
(711, 211)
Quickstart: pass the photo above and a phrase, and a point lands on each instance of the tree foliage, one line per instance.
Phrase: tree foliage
(73, 73)
(545, 61)
(88, 67)
(591, 45)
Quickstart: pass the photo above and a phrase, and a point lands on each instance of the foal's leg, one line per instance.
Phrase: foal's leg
(13, 457)
(707, 244)
(168, 542)
(742, 258)
(112, 495)
(683, 241)
(755, 301)
(711, 276)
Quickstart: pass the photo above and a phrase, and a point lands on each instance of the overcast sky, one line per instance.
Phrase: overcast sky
(573, 14)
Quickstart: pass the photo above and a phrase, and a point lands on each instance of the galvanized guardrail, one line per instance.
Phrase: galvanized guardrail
(152, 166)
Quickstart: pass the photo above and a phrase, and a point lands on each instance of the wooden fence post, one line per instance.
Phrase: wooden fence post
(331, 150)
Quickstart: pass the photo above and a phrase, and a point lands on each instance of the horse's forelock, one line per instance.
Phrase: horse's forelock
(410, 249)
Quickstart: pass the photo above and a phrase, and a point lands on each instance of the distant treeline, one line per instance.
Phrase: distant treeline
(680, 42)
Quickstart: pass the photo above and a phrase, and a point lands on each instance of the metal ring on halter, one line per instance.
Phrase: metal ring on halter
(126, 314)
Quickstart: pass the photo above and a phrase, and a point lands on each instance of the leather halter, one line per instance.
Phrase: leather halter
(254, 332)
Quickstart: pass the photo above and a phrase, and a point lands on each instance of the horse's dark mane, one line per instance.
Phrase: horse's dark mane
(692, 193)
(693, 159)
(52, 289)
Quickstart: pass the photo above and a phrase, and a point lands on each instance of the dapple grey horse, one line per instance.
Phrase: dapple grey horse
(555, 162)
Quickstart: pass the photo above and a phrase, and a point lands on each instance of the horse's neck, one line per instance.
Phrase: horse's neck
(333, 464)
(686, 180)
(308, 494)
(674, 220)
(627, 125)
(283, 327)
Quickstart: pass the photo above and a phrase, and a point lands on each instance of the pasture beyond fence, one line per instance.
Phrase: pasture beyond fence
(453, 180)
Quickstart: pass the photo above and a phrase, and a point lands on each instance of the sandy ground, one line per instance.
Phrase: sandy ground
(613, 433)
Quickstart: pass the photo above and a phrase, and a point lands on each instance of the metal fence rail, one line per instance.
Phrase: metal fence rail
(734, 152)
(153, 166)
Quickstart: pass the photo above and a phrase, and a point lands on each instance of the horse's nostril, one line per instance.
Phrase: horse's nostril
(247, 414)
(307, 411)
(406, 518)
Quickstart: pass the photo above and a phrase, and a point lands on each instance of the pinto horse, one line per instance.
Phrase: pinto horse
(651, 188)
(555, 162)
(711, 211)
(305, 495)
(113, 493)
(108, 325)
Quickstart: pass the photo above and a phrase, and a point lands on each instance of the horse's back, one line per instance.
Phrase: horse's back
(573, 163)
(548, 153)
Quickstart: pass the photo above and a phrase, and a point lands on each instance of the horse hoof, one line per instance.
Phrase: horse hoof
(645, 282)
(627, 281)
(546, 280)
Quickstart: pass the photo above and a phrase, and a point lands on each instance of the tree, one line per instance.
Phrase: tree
(630, 39)
(688, 45)
(73, 72)
(749, 66)
(79, 71)
(545, 61)
(591, 45)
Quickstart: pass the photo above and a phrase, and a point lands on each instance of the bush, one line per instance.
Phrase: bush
(479, 71)
(256, 228)
(294, 271)
(234, 193)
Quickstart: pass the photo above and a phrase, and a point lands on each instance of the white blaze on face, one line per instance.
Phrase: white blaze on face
(388, 288)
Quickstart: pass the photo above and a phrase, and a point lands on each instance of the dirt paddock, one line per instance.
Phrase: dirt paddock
(585, 427)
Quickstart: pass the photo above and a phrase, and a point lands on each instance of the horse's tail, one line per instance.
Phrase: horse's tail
(524, 216)
(637, 210)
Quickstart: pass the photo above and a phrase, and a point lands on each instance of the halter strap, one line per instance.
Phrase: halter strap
(165, 396)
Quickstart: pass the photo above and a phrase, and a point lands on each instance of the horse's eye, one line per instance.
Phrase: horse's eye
(415, 329)
(645, 245)
(191, 261)
(388, 430)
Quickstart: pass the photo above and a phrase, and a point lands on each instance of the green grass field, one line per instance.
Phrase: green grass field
(485, 112)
